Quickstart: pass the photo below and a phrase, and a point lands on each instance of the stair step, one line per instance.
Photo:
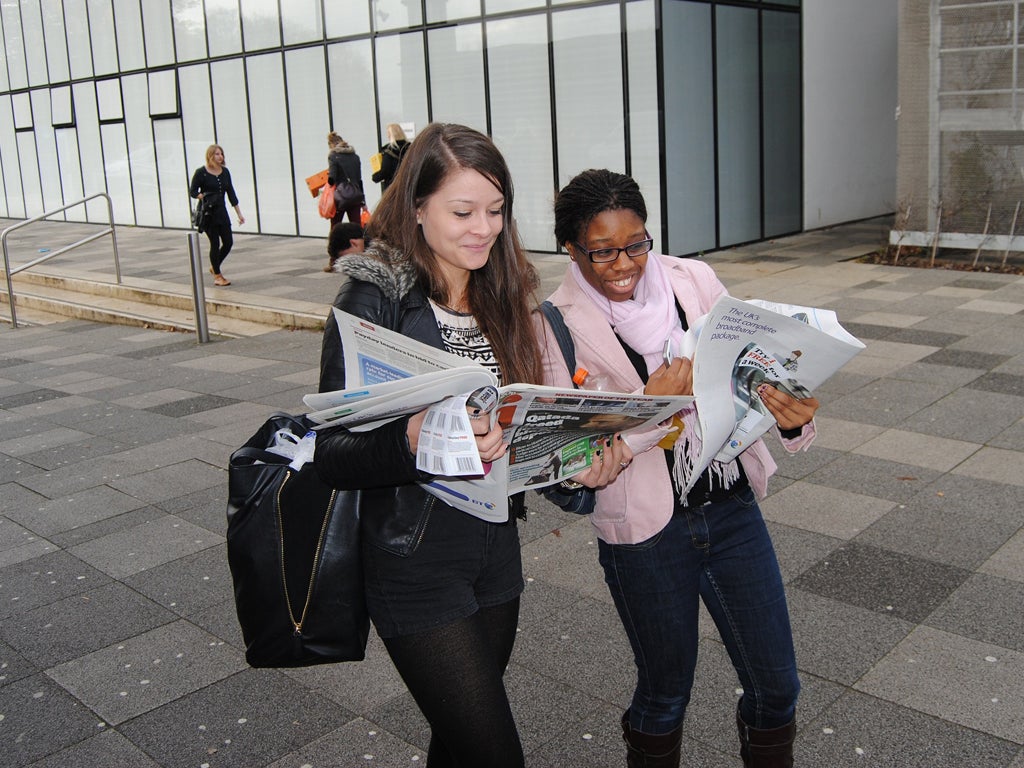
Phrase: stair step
(134, 303)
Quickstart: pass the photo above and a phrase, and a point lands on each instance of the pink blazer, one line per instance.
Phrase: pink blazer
(639, 503)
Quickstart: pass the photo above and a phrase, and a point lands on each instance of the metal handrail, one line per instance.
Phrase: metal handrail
(107, 231)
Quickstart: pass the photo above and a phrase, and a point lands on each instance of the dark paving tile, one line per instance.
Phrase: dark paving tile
(982, 513)
(797, 466)
(978, 609)
(109, 749)
(972, 415)
(886, 402)
(873, 477)
(73, 453)
(1002, 383)
(246, 720)
(161, 350)
(862, 730)
(192, 405)
(924, 337)
(189, 584)
(883, 581)
(965, 358)
(13, 666)
(9, 402)
(865, 331)
(40, 718)
(977, 283)
(43, 580)
(77, 625)
(105, 527)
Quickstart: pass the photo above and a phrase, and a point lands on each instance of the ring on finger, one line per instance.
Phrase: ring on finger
(623, 464)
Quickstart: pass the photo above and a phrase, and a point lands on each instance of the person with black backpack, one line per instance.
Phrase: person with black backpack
(345, 175)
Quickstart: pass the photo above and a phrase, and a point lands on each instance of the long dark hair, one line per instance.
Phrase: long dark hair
(591, 193)
(501, 293)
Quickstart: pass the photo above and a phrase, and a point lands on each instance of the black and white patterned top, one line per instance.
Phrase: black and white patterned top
(462, 336)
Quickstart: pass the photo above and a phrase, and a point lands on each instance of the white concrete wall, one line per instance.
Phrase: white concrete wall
(850, 97)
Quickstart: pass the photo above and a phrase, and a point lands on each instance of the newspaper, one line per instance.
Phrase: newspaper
(552, 433)
(747, 343)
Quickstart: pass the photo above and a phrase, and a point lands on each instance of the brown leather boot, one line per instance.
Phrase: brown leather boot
(645, 750)
(766, 748)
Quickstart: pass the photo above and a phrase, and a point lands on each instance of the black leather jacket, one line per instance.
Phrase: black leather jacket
(394, 509)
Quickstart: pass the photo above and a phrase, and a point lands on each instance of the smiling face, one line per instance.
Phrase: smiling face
(460, 222)
(612, 229)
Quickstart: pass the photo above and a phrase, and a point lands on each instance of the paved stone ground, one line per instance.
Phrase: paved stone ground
(899, 535)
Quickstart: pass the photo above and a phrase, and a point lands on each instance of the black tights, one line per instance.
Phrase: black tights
(455, 675)
(220, 243)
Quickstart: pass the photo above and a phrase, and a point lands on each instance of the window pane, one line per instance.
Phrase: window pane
(128, 19)
(457, 76)
(56, 43)
(170, 168)
(497, 6)
(28, 157)
(115, 168)
(645, 147)
(689, 129)
(521, 119)
(189, 29)
(446, 10)
(61, 112)
(303, 22)
(349, 18)
(76, 21)
(307, 110)
(739, 154)
(141, 154)
(101, 32)
(782, 129)
(14, 45)
(156, 25)
(13, 198)
(273, 165)
(108, 94)
(352, 107)
(163, 93)
(196, 114)
(231, 131)
(588, 91)
(223, 27)
(46, 146)
(261, 24)
(35, 48)
(396, 14)
(401, 81)
(90, 149)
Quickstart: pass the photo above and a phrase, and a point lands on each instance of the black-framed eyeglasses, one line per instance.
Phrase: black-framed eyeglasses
(603, 255)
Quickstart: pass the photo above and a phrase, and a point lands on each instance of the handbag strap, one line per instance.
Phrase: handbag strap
(562, 336)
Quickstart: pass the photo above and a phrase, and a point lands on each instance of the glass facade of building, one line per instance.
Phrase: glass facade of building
(699, 100)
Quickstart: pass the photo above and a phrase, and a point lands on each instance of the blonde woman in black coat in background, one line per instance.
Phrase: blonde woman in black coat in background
(391, 156)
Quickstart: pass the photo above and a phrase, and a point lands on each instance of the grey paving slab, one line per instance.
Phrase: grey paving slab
(994, 464)
(124, 680)
(40, 718)
(878, 477)
(51, 516)
(109, 749)
(977, 610)
(958, 521)
(863, 730)
(188, 584)
(44, 579)
(357, 740)
(77, 625)
(1008, 561)
(144, 546)
(959, 680)
(829, 511)
(971, 415)
(13, 666)
(249, 718)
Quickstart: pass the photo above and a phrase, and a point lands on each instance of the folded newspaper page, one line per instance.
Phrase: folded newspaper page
(552, 433)
(747, 343)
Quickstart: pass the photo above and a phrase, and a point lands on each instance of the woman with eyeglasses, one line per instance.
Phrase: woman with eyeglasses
(664, 552)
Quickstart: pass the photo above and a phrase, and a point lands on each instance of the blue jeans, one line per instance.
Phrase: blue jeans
(720, 553)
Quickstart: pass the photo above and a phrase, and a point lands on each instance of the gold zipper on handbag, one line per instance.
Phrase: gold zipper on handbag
(316, 556)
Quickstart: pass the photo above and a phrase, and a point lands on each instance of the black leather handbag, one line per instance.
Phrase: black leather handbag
(293, 550)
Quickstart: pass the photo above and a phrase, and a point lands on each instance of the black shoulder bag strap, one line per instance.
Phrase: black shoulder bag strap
(562, 336)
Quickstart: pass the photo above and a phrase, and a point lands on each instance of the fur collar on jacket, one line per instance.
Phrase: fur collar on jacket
(341, 149)
(382, 265)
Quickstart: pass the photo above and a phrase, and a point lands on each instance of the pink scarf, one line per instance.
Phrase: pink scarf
(644, 322)
(648, 319)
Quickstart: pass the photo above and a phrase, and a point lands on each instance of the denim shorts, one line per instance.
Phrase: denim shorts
(462, 564)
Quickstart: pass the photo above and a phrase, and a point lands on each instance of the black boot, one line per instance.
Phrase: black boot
(766, 748)
(645, 750)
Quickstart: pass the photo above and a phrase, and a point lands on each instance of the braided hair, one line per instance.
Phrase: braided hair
(591, 193)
